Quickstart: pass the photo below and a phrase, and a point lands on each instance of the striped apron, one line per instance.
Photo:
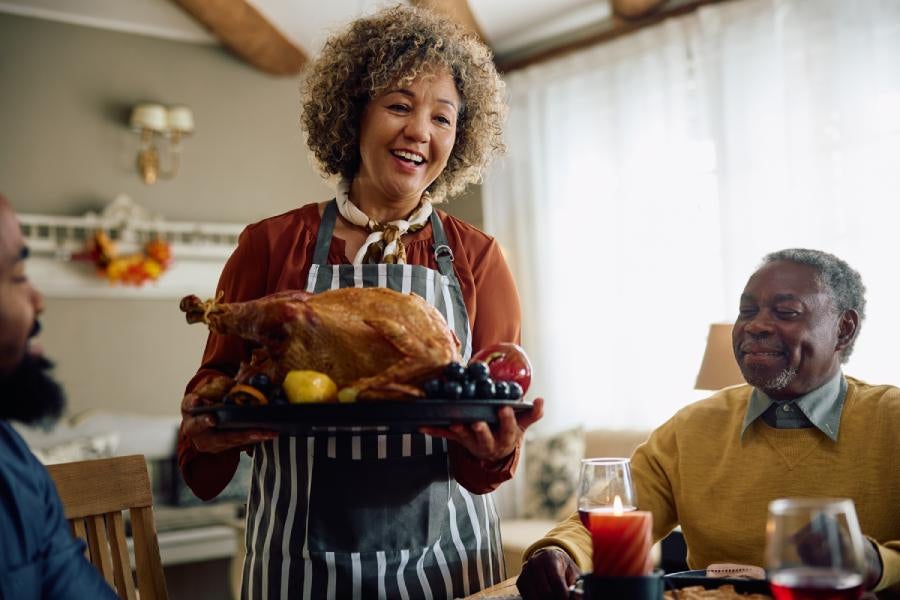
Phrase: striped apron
(370, 514)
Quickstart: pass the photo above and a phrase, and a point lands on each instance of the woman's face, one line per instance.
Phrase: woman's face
(406, 137)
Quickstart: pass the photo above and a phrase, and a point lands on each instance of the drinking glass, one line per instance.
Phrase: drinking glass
(814, 549)
(601, 481)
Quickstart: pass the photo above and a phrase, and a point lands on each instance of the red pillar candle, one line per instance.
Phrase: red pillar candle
(622, 543)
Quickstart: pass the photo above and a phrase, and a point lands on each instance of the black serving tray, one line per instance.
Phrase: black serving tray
(685, 579)
(357, 417)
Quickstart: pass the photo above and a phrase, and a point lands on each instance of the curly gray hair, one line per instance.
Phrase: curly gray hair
(842, 280)
(401, 43)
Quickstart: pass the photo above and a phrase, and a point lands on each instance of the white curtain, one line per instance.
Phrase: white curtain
(646, 177)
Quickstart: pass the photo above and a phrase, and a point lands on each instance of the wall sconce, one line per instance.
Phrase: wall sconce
(152, 120)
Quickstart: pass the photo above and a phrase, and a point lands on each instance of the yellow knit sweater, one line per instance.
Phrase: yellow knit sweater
(697, 471)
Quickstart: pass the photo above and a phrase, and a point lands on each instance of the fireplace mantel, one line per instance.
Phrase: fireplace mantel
(199, 251)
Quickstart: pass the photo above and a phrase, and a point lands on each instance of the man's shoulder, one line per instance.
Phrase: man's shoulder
(26, 483)
(871, 388)
(885, 396)
(36, 545)
(729, 401)
(18, 465)
(12, 446)
(722, 412)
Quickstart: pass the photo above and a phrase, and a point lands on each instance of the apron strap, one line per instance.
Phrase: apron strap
(326, 229)
(443, 254)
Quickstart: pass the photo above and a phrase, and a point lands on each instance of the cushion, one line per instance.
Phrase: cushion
(613, 442)
(101, 445)
(518, 535)
(552, 465)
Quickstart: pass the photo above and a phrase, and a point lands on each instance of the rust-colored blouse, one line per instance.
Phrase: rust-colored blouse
(275, 255)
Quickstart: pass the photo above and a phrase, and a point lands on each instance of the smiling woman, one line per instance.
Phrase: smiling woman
(406, 109)
(416, 125)
(385, 53)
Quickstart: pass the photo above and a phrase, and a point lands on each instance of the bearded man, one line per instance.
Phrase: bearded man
(800, 428)
(39, 557)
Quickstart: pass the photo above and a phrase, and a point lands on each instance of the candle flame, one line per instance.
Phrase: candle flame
(617, 506)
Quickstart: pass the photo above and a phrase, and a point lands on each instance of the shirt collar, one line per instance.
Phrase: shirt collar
(822, 406)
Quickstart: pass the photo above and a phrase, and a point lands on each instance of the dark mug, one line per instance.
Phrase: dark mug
(592, 587)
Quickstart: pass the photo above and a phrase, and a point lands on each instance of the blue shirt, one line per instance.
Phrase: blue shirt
(39, 557)
(820, 408)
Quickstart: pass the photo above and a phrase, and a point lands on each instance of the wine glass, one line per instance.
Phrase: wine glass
(601, 483)
(814, 549)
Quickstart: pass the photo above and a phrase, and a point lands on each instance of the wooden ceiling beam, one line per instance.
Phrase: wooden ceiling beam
(652, 12)
(634, 9)
(247, 33)
(456, 10)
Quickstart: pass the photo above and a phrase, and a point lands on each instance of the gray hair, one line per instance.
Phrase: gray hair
(840, 279)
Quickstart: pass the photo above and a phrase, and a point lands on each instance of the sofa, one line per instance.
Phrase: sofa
(523, 520)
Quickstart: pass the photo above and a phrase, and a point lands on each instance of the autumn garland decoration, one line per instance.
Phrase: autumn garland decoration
(133, 269)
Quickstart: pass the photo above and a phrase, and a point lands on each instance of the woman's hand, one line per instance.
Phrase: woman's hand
(547, 575)
(201, 429)
(488, 445)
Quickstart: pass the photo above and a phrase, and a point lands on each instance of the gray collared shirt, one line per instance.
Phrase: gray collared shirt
(821, 408)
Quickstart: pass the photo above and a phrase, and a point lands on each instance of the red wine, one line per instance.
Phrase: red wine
(585, 513)
(816, 584)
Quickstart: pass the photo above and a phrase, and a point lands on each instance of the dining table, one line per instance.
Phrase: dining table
(505, 590)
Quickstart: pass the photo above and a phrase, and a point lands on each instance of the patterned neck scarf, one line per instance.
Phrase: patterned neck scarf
(383, 244)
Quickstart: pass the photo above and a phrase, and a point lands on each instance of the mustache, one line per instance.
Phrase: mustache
(35, 329)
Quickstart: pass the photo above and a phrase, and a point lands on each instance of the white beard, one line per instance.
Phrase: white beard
(780, 381)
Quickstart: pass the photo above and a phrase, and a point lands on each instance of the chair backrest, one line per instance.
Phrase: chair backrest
(94, 493)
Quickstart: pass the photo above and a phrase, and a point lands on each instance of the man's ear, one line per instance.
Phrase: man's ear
(848, 325)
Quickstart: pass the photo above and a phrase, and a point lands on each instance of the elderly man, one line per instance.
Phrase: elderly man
(39, 558)
(801, 428)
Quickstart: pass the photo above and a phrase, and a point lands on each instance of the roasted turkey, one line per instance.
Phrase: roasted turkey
(376, 341)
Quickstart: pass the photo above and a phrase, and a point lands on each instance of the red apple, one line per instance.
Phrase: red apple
(507, 362)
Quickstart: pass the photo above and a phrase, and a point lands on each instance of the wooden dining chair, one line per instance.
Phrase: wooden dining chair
(94, 493)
